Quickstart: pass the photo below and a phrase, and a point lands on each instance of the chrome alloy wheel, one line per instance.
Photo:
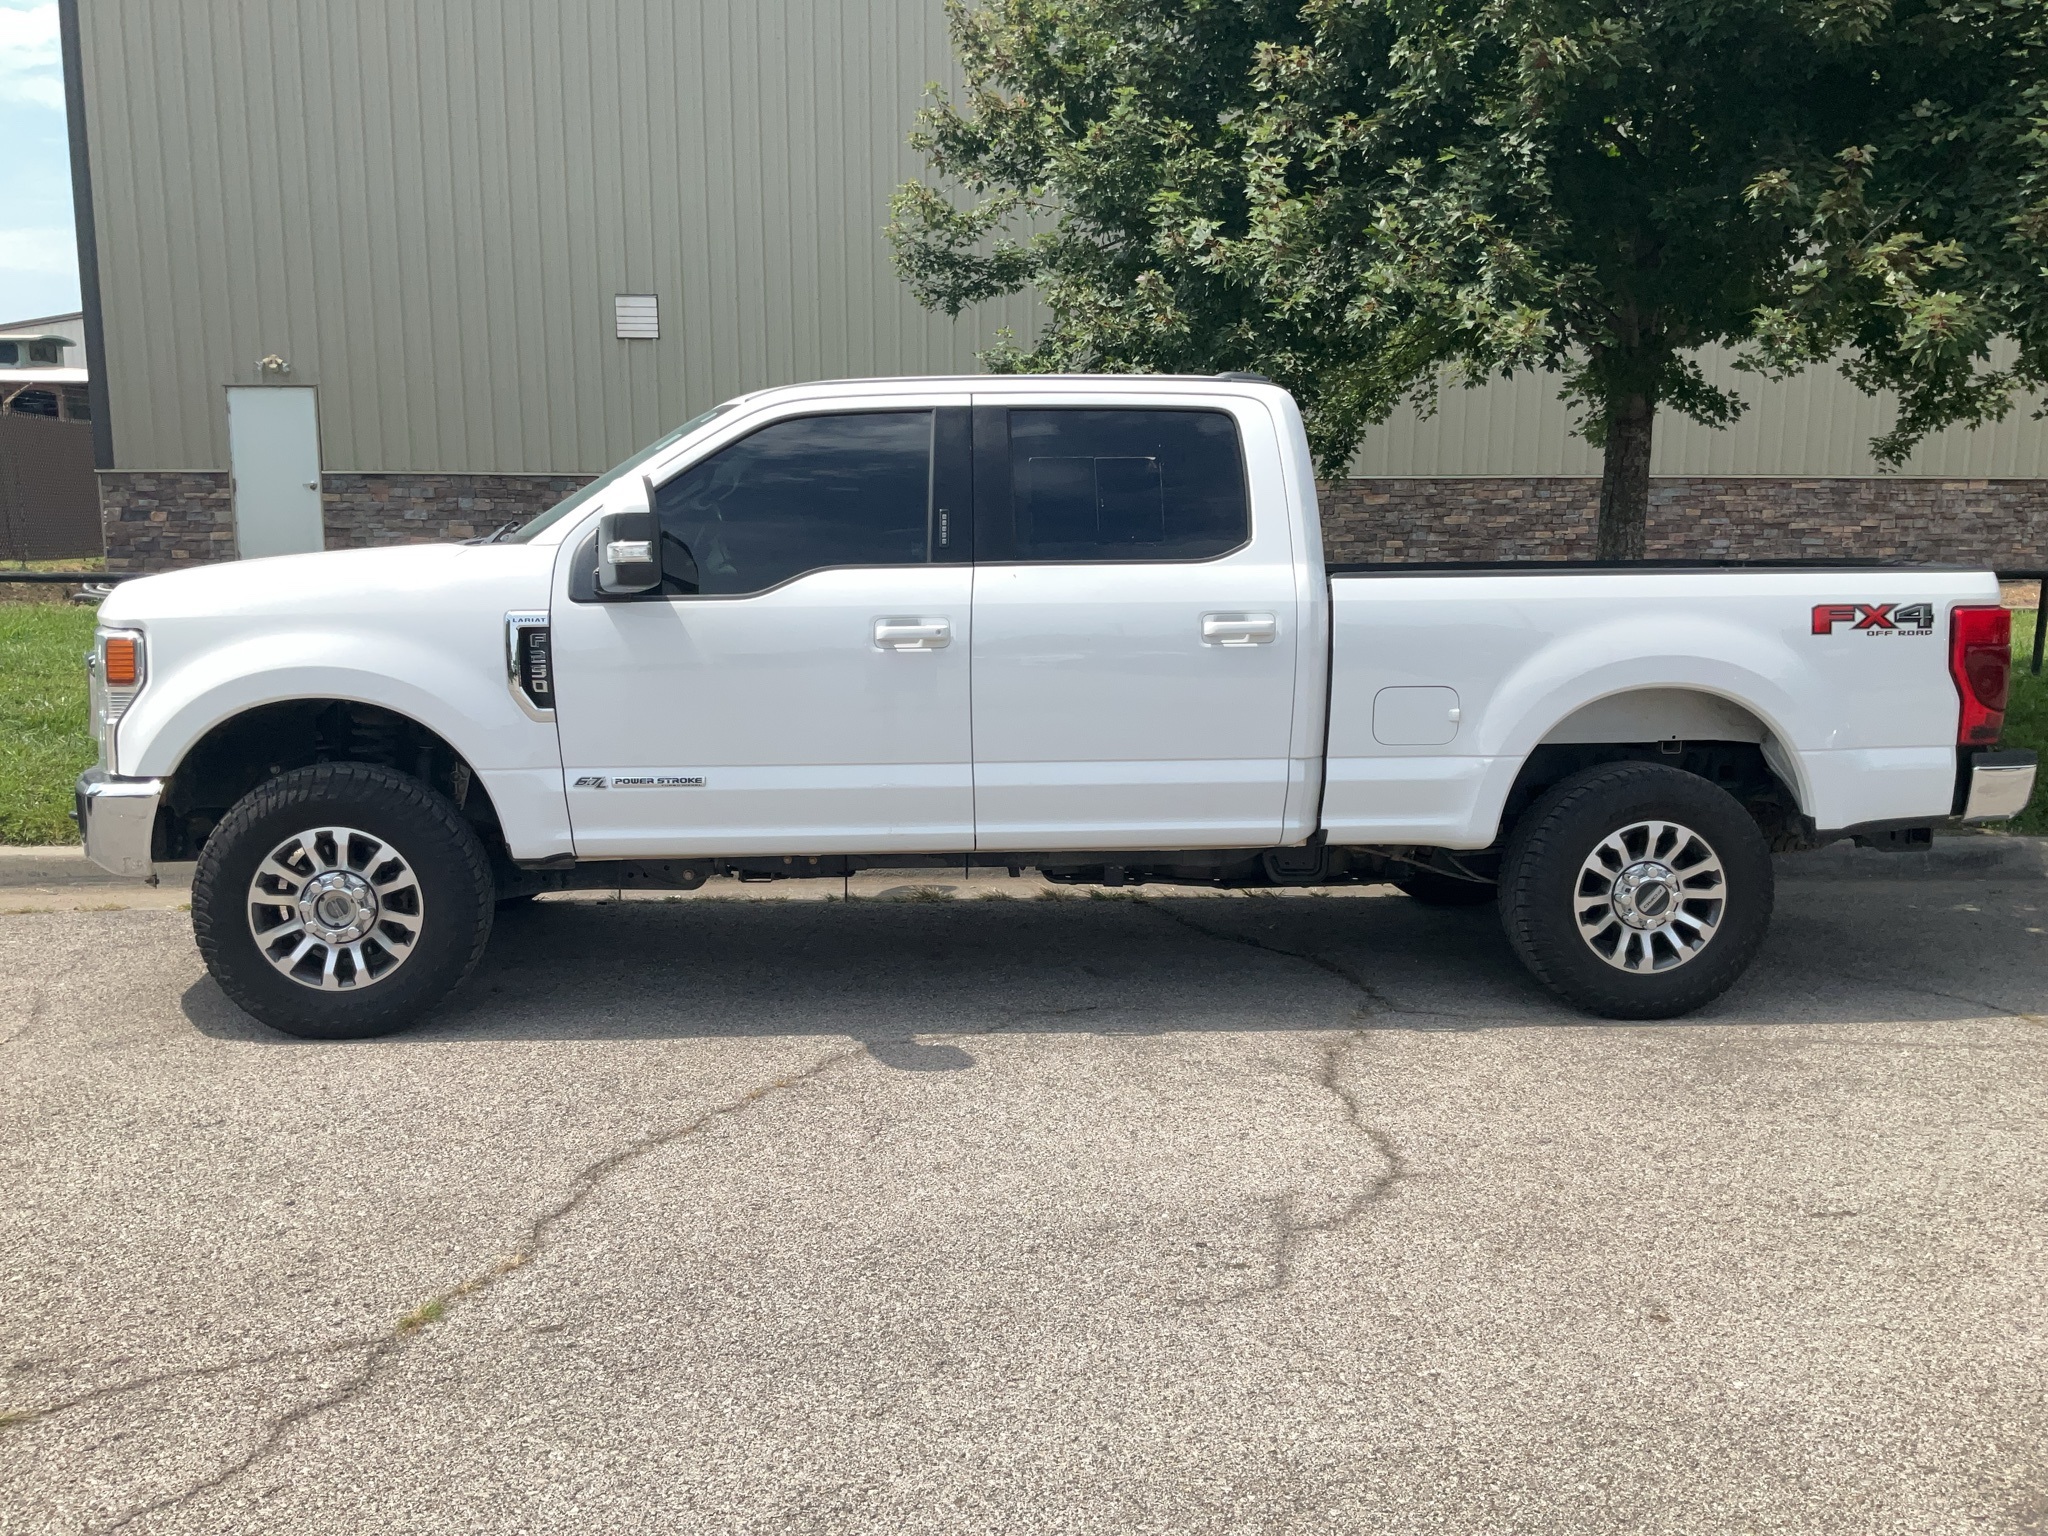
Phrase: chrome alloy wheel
(1650, 896)
(335, 909)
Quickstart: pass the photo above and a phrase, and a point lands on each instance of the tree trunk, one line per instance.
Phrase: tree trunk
(1625, 481)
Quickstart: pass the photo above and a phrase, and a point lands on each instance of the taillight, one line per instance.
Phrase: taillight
(1980, 660)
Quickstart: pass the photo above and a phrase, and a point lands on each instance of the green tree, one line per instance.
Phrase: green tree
(1361, 198)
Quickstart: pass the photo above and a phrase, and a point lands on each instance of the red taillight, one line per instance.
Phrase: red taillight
(1980, 660)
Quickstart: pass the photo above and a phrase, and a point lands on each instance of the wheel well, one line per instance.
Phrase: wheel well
(246, 750)
(1739, 767)
(1658, 715)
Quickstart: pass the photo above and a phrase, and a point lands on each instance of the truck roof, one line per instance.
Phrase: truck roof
(965, 382)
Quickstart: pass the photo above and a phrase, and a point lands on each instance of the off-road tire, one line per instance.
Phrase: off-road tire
(1541, 872)
(1435, 890)
(451, 866)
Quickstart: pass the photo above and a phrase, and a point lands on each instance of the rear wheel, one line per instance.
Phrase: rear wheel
(341, 901)
(1636, 891)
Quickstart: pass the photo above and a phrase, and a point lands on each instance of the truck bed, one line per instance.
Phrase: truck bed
(1444, 679)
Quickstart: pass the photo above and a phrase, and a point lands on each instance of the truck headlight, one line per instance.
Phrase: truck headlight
(117, 669)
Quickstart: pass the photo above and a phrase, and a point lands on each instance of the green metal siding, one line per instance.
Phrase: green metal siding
(1817, 425)
(427, 206)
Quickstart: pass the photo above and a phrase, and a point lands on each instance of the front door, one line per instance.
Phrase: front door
(1135, 633)
(800, 685)
(274, 462)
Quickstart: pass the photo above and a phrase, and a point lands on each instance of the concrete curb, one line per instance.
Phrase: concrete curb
(62, 879)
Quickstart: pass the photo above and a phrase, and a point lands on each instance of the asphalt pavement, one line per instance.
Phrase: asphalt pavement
(938, 1210)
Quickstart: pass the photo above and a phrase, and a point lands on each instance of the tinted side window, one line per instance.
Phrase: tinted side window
(799, 495)
(1123, 485)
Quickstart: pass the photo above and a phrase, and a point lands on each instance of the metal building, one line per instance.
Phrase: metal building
(495, 242)
(358, 270)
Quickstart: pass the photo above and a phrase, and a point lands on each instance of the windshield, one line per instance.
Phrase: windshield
(563, 508)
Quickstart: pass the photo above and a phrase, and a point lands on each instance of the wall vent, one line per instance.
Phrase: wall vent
(637, 317)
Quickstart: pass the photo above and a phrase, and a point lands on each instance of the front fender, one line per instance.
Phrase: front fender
(468, 705)
(462, 698)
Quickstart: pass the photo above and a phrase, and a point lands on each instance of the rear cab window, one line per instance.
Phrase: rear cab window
(1063, 484)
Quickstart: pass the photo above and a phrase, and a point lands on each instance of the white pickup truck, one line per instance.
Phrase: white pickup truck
(1081, 625)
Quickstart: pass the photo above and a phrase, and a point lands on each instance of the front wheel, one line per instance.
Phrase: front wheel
(1636, 891)
(341, 901)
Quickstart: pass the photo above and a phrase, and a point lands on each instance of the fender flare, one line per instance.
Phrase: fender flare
(1715, 659)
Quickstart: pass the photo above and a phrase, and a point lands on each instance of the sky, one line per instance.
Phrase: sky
(38, 253)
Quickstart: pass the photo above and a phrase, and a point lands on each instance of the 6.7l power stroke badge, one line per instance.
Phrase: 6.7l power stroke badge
(641, 781)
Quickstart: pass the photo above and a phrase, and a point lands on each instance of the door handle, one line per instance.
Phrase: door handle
(913, 634)
(1239, 629)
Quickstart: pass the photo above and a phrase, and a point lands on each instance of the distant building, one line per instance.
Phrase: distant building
(49, 341)
(395, 271)
(49, 502)
(42, 368)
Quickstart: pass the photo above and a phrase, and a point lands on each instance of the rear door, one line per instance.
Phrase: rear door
(1135, 626)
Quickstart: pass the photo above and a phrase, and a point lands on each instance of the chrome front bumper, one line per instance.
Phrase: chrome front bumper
(2000, 785)
(117, 819)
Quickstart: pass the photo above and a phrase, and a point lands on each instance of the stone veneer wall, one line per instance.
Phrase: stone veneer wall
(1998, 523)
(158, 520)
(362, 510)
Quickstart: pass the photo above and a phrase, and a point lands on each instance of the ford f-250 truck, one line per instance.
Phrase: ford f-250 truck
(1082, 625)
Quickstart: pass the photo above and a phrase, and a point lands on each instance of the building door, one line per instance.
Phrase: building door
(274, 459)
(799, 683)
(1135, 633)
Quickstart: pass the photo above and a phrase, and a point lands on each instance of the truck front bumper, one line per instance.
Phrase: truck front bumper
(1997, 785)
(117, 820)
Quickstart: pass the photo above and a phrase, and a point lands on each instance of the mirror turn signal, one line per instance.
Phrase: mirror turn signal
(628, 553)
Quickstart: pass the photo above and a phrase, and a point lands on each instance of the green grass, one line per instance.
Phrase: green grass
(2026, 718)
(425, 1315)
(43, 740)
(75, 563)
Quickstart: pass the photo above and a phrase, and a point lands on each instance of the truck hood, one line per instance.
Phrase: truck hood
(357, 583)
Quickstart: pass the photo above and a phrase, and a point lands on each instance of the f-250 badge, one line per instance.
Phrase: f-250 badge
(1875, 618)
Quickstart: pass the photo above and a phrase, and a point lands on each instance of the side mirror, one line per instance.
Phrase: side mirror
(628, 553)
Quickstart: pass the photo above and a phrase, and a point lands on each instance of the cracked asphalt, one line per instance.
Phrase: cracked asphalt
(1170, 1214)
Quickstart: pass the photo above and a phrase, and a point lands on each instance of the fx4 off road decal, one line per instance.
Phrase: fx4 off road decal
(1875, 618)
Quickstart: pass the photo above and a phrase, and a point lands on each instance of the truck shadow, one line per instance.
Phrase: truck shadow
(917, 980)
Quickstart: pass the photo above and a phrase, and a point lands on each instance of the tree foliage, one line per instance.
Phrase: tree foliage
(1357, 197)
